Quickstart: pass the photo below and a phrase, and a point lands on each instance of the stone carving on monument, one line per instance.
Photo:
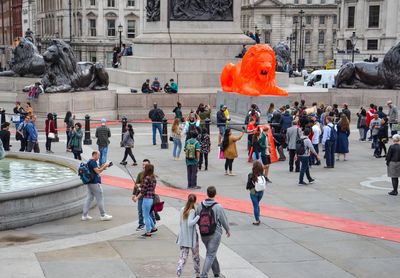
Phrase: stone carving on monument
(201, 10)
(26, 60)
(375, 75)
(153, 10)
(64, 74)
(255, 75)
(282, 53)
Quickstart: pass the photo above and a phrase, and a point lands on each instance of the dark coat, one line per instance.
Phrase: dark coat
(342, 141)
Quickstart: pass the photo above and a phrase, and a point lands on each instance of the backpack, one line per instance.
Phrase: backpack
(300, 147)
(85, 173)
(207, 223)
(333, 136)
(190, 150)
(261, 184)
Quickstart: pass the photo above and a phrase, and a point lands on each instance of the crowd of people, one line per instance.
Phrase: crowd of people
(170, 88)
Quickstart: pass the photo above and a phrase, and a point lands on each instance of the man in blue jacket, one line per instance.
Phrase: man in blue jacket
(32, 134)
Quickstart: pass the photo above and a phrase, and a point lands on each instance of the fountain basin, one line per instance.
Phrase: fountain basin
(28, 205)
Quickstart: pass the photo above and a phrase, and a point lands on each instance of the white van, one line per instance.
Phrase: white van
(322, 78)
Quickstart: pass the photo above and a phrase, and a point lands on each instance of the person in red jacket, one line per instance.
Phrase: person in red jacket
(49, 128)
(370, 116)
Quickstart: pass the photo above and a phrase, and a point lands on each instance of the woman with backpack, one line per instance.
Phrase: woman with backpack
(256, 184)
(75, 144)
(205, 143)
(176, 134)
(49, 128)
(188, 238)
(128, 143)
(230, 150)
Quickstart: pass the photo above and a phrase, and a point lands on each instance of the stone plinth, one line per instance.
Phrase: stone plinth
(15, 84)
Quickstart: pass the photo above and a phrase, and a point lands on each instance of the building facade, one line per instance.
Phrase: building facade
(90, 25)
(311, 35)
(375, 23)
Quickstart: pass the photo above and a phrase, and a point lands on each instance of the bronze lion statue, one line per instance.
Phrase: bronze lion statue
(282, 53)
(64, 74)
(26, 61)
(375, 75)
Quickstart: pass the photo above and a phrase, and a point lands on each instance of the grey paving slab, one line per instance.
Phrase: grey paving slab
(371, 267)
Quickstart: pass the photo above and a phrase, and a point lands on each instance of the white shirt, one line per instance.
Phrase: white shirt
(317, 133)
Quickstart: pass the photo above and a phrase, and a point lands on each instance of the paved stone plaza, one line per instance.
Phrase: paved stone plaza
(355, 189)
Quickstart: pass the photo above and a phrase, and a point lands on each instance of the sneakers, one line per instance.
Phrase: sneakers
(393, 193)
(123, 163)
(140, 227)
(311, 181)
(302, 183)
(106, 217)
(86, 218)
(194, 187)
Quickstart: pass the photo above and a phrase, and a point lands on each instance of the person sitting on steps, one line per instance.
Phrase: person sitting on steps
(146, 87)
(171, 87)
(156, 86)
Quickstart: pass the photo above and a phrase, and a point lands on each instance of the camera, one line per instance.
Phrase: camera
(110, 164)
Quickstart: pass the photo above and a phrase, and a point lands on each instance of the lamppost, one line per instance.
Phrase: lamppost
(120, 29)
(70, 21)
(301, 62)
(295, 45)
(353, 40)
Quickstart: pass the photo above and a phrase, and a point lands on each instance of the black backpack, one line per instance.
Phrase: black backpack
(207, 223)
(300, 147)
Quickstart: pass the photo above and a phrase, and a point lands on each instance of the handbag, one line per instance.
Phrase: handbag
(51, 135)
(221, 154)
(171, 138)
(261, 183)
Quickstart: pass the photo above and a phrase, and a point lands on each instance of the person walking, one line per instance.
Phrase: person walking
(94, 189)
(316, 138)
(75, 144)
(49, 128)
(392, 116)
(292, 134)
(265, 152)
(230, 150)
(256, 184)
(192, 152)
(343, 133)
(5, 135)
(374, 126)
(69, 125)
(383, 136)
(136, 190)
(147, 192)
(362, 124)
(156, 115)
(32, 136)
(393, 163)
(188, 238)
(128, 143)
(221, 123)
(256, 146)
(210, 234)
(205, 147)
(176, 134)
(21, 133)
(303, 155)
(103, 134)
(329, 142)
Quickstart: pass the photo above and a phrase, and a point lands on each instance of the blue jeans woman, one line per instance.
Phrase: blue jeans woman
(176, 152)
(256, 197)
(148, 219)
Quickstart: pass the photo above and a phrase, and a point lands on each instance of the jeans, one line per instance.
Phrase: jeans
(330, 153)
(68, 133)
(211, 262)
(94, 191)
(375, 144)
(48, 143)
(176, 152)
(156, 126)
(32, 146)
(305, 168)
(24, 144)
(292, 154)
(256, 156)
(103, 155)
(255, 199)
(228, 165)
(203, 156)
(146, 208)
(192, 175)
(128, 151)
(313, 158)
(140, 212)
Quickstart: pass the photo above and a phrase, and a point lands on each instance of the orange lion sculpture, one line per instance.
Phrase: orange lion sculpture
(254, 75)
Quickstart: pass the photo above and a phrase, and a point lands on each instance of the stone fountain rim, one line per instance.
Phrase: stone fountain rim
(48, 189)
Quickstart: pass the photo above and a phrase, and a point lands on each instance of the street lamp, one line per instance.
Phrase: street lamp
(301, 60)
(295, 44)
(353, 40)
(120, 29)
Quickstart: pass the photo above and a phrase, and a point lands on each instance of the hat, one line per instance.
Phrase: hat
(313, 115)
(221, 106)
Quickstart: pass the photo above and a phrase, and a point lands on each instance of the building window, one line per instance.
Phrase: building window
(110, 3)
(92, 56)
(308, 19)
(307, 38)
(111, 28)
(296, 1)
(372, 45)
(295, 19)
(80, 27)
(131, 3)
(268, 19)
(267, 37)
(350, 17)
(321, 37)
(309, 1)
(349, 46)
(373, 21)
(334, 36)
(322, 20)
(335, 19)
(131, 29)
(92, 2)
(92, 27)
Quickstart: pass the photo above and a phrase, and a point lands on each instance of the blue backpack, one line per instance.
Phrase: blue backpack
(85, 173)
(333, 136)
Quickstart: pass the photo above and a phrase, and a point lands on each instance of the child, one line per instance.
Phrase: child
(188, 238)
(205, 143)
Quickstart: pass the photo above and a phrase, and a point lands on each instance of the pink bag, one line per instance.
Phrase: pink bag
(221, 154)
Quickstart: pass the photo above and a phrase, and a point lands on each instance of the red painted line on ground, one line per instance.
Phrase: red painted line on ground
(281, 213)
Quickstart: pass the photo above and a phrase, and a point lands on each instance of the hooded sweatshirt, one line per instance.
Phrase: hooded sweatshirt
(219, 213)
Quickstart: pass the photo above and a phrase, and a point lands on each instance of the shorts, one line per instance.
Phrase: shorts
(266, 159)
(222, 130)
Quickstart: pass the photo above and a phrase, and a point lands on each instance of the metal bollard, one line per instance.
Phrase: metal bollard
(207, 123)
(124, 121)
(88, 140)
(56, 139)
(164, 137)
(2, 116)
